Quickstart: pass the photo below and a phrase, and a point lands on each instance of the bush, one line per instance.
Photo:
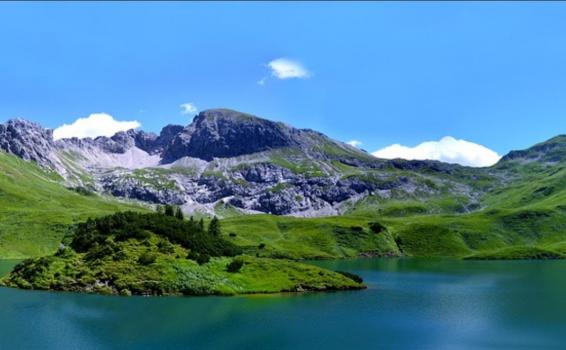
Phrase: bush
(82, 191)
(147, 258)
(192, 255)
(376, 227)
(357, 229)
(232, 234)
(165, 247)
(261, 245)
(235, 265)
(203, 259)
(352, 276)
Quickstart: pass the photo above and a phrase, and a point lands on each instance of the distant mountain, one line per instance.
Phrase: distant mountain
(551, 151)
(230, 163)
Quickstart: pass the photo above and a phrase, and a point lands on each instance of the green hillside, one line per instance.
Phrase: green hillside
(35, 209)
(514, 208)
(159, 254)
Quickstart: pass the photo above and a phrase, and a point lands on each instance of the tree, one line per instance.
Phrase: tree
(179, 214)
(201, 224)
(159, 209)
(203, 258)
(214, 227)
(169, 210)
(235, 265)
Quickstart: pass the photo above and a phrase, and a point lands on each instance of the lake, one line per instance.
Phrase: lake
(410, 304)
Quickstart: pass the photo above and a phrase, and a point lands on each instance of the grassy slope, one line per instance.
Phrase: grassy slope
(35, 209)
(300, 238)
(526, 218)
(530, 211)
(171, 273)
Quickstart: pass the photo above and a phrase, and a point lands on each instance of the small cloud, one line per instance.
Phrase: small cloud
(188, 108)
(283, 68)
(355, 143)
(96, 124)
(448, 149)
(262, 81)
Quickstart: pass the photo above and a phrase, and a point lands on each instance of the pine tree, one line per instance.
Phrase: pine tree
(214, 227)
(169, 210)
(179, 214)
(201, 225)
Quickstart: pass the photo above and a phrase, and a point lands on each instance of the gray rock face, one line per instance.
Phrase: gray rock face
(223, 155)
(220, 132)
(131, 188)
(28, 141)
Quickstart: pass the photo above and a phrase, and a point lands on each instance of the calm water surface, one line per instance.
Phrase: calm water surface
(410, 304)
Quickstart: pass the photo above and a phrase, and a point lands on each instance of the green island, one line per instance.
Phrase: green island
(162, 254)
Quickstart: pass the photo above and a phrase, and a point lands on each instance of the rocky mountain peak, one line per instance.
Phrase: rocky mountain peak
(226, 133)
(27, 140)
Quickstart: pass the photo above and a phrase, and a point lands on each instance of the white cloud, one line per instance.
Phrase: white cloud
(283, 68)
(188, 108)
(448, 149)
(355, 143)
(262, 81)
(96, 124)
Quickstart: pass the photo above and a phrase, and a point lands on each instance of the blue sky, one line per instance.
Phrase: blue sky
(380, 73)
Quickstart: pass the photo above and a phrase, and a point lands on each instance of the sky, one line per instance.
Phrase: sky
(458, 81)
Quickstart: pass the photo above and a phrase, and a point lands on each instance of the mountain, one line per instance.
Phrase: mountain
(231, 164)
(228, 161)
(551, 151)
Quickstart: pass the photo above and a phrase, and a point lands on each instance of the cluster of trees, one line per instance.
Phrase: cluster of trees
(170, 210)
(176, 212)
(125, 225)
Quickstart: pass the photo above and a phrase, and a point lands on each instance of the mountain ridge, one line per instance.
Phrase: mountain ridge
(228, 161)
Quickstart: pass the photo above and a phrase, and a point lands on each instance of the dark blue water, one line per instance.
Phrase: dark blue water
(410, 304)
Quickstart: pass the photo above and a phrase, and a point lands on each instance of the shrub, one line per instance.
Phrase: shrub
(192, 255)
(376, 227)
(356, 228)
(82, 191)
(147, 258)
(232, 234)
(235, 265)
(203, 259)
(352, 276)
(165, 247)
(261, 245)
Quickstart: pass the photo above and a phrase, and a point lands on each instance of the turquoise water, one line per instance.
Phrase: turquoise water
(410, 304)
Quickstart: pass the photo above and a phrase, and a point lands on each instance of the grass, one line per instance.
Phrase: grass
(300, 238)
(36, 210)
(524, 205)
(128, 270)
(518, 253)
